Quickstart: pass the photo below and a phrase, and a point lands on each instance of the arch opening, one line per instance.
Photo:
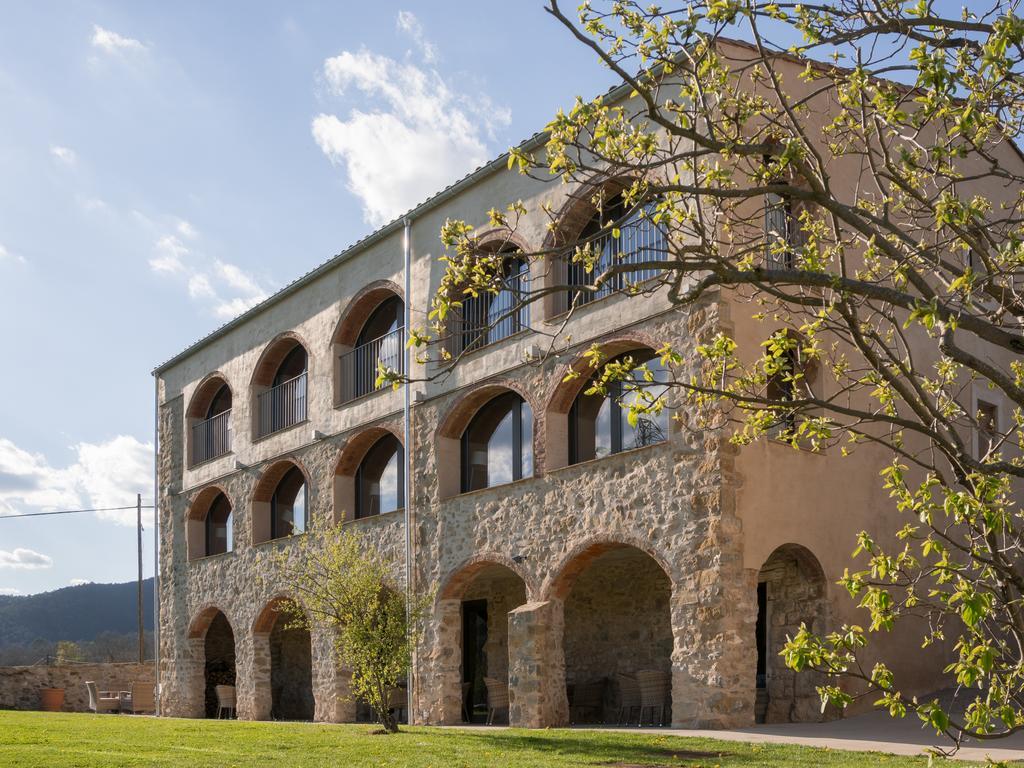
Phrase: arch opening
(208, 421)
(497, 444)
(219, 663)
(791, 590)
(370, 337)
(491, 316)
(280, 503)
(209, 528)
(279, 386)
(617, 637)
(289, 657)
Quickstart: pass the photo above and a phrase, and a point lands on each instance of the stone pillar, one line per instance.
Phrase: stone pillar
(252, 678)
(331, 684)
(536, 675)
(194, 701)
(437, 694)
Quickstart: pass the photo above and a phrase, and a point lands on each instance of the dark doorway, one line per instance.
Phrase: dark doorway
(219, 648)
(474, 661)
(761, 633)
(291, 672)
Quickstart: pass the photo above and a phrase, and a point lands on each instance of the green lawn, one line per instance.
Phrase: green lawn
(54, 740)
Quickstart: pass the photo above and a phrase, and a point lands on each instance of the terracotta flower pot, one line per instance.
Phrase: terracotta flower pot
(51, 699)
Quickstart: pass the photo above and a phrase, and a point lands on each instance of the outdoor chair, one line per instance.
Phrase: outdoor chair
(225, 700)
(398, 700)
(629, 698)
(143, 697)
(587, 698)
(655, 688)
(467, 707)
(103, 701)
(497, 697)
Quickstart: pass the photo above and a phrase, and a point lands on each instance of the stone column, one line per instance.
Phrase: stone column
(536, 674)
(331, 683)
(194, 701)
(252, 678)
(438, 681)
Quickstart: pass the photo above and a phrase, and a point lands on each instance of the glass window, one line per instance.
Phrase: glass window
(294, 364)
(491, 317)
(497, 446)
(380, 479)
(387, 317)
(219, 533)
(599, 425)
(221, 402)
(288, 505)
(780, 232)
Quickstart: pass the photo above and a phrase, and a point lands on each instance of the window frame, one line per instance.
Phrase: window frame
(359, 479)
(274, 533)
(465, 466)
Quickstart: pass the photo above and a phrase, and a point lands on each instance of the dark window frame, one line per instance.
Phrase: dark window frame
(465, 453)
(208, 525)
(274, 533)
(360, 478)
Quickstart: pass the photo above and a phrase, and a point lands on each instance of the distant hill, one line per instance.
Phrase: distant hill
(79, 613)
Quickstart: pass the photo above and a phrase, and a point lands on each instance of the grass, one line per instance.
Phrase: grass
(30, 739)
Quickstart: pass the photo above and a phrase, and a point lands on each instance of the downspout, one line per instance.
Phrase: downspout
(407, 429)
(156, 537)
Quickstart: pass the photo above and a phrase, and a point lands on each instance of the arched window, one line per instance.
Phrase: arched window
(219, 526)
(490, 317)
(381, 342)
(284, 403)
(599, 425)
(497, 446)
(380, 478)
(639, 240)
(209, 420)
(288, 505)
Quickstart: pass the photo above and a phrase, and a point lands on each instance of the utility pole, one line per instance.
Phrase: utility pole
(142, 636)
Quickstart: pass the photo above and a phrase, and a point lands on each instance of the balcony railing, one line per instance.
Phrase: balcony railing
(640, 241)
(489, 317)
(359, 366)
(282, 406)
(211, 438)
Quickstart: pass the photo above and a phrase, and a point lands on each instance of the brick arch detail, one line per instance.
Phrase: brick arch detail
(355, 315)
(577, 210)
(272, 356)
(458, 416)
(454, 585)
(204, 393)
(359, 444)
(264, 622)
(804, 557)
(200, 623)
(558, 585)
(272, 475)
(564, 392)
(492, 239)
(202, 501)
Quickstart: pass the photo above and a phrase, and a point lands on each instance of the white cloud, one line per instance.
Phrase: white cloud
(65, 154)
(93, 204)
(11, 592)
(24, 559)
(112, 43)
(107, 474)
(169, 254)
(78, 582)
(421, 136)
(6, 255)
(230, 308)
(410, 25)
(199, 287)
(185, 229)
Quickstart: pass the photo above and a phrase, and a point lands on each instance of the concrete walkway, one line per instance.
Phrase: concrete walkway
(873, 732)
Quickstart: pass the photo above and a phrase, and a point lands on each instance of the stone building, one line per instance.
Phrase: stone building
(566, 550)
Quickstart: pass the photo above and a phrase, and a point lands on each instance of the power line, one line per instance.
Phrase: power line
(74, 511)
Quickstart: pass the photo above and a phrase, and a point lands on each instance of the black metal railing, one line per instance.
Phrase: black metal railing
(283, 405)
(359, 366)
(640, 241)
(782, 236)
(211, 438)
(490, 317)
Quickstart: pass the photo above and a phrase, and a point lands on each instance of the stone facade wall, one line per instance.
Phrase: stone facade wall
(19, 686)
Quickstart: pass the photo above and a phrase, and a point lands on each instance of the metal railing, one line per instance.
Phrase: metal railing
(359, 366)
(282, 406)
(640, 240)
(211, 438)
(782, 236)
(489, 317)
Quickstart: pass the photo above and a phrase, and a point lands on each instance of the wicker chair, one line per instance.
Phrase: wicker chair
(629, 698)
(497, 697)
(102, 701)
(588, 697)
(143, 697)
(398, 700)
(225, 700)
(655, 688)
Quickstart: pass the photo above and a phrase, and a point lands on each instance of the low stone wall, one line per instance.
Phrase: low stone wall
(20, 686)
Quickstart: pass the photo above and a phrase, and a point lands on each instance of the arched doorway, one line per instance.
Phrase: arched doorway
(290, 657)
(791, 590)
(617, 637)
(485, 593)
(213, 642)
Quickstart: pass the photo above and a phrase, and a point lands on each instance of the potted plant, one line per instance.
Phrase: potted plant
(51, 699)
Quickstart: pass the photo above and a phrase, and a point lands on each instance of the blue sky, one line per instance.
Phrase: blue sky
(165, 166)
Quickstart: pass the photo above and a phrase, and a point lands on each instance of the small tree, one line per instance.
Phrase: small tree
(340, 582)
(68, 651)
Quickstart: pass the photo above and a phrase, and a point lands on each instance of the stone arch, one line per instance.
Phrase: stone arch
(212, 641)
(215, 433)
(351, 323)
(458, 417)
(195, 519)
(564, 392)
(615, 632)
(272, 356)
(201, 398)
(264, 491)
(472, 633)
(792, 589)
(282, 684)
(351, 456)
